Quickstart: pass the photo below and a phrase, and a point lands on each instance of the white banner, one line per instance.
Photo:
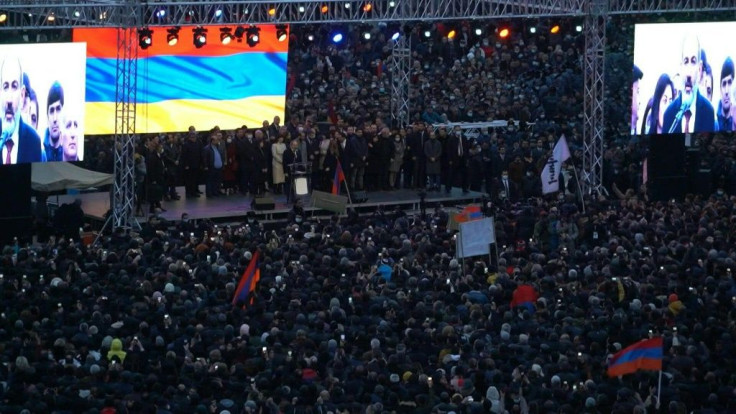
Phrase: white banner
(551, 172)
(475, 238)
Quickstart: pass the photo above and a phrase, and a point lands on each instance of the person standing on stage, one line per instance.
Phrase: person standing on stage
(214, 162)
(292, 157)
(191, 161)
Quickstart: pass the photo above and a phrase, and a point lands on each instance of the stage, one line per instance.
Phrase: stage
(234, 208)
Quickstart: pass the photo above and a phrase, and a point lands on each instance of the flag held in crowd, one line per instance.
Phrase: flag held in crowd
(551, 172)
(248, 282)
(339, 179)
(645, 355)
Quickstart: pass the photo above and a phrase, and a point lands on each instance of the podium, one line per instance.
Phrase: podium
(300, 173)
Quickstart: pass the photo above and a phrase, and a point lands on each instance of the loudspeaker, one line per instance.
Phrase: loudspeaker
(16, 217)
(667, 188)
(263, 203)
(666, 156)
(359, 197)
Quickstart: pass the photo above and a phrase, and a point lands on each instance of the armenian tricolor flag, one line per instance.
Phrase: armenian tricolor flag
(644, 355)
(339, 179)
(228, 85)
(248, 282)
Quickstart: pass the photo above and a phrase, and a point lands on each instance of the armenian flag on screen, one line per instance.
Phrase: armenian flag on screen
(339, 179)
(249, 280)
(645, 355)
(181, 85)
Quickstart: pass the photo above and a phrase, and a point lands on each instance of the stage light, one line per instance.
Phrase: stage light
(367, 7)
(347, 5)
(503, 33)
(367, 35)
(301, 9)
(337, 38)
(478, 31)
(532, 30)
(272, 12)
(310, 37)
(51, 17)
(392, 4)
(451, 34)
(200, 37)
(325, 9)
(395, 36)
(172, 37)
(77, 13)
(145, 38)
(226, 35)
(555, 29)
(161, 13)
(218, 13)
(578, 28)
(252, 36)
(3, 18)
(281, 32)
(427, 33)
(239, 32)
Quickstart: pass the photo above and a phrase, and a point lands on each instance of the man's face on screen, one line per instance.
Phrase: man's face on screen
(70, 138)
(690, 64)
(55, 120)
(726, 84)
(10, 93)
(33, 114)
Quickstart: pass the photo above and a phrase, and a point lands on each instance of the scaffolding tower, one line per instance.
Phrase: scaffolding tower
(593, 96)
(400, 70)
(123, 197)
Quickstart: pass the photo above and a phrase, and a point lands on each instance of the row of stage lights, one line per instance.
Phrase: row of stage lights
(503, 33)
(324, 9)
(251, 34)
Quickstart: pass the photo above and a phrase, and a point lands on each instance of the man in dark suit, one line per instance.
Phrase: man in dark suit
(191, 160)
(292, 156)
(20, 142)
(456, 149)
(214, 162)
(691, 111)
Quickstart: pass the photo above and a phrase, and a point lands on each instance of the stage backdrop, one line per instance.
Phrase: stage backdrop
(178, 86)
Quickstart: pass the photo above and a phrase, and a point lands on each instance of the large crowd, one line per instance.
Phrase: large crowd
(375, 314)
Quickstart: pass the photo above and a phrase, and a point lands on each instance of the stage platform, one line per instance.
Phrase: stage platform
(234, 208)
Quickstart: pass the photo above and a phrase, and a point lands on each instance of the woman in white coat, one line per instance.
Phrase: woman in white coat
(277, 164)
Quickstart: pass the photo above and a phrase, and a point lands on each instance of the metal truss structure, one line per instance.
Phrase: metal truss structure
(24, 14)
(131, 14)
(400, 71)
(123, 208)
(593, 96)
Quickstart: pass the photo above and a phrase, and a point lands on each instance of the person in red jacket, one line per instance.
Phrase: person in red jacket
(524, 295)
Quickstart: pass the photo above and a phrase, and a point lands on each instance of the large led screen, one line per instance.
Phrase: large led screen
(42, 97)
(228, 85)
(682, 78)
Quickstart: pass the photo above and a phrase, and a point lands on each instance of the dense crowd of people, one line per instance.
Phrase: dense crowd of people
(376, 314)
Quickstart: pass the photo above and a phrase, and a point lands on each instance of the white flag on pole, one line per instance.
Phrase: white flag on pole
(551, 172)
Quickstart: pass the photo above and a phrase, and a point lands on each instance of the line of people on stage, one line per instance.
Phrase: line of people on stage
(253, 161)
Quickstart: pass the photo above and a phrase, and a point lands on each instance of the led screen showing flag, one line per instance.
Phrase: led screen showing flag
(178, 86)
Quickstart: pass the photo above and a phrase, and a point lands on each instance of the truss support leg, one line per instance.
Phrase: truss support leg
(400, 67)
(593, 90)
(123, 197)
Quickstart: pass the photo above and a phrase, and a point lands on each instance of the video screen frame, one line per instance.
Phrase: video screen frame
(682, 76)
(42, 94)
